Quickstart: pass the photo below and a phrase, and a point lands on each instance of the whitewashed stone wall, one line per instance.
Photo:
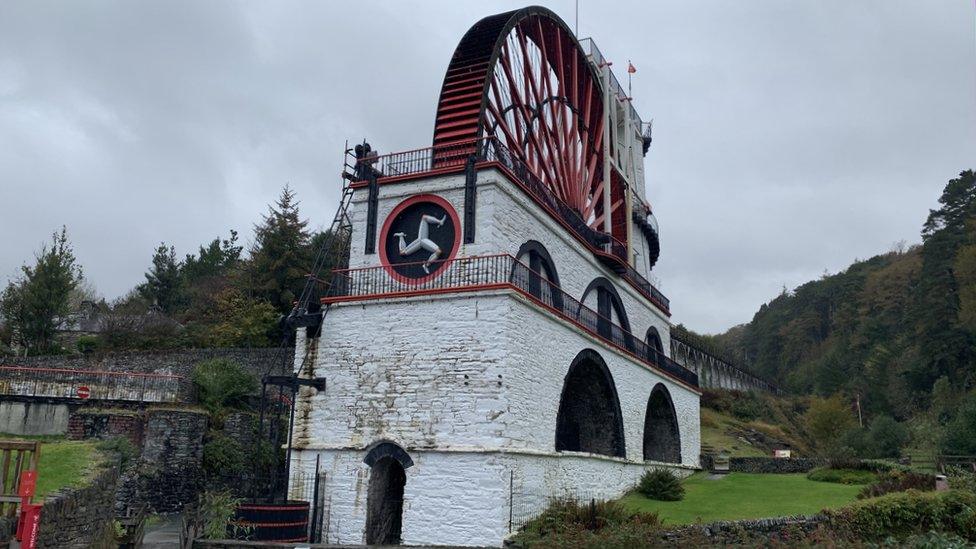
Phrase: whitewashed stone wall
(463, 498)
(469, 385)
(506, 218)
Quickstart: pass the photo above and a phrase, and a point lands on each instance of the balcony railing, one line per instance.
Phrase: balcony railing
(499, 272)
(448, 158)
(93, 385)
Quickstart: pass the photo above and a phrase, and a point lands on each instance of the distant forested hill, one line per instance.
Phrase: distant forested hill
(885, 329)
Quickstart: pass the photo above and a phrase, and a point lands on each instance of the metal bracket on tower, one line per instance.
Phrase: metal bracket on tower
(470, 198)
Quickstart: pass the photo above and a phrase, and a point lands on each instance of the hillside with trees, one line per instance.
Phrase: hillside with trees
(893, 336)
(220, 296)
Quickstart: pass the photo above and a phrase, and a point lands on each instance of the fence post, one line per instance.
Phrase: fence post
(511, 498)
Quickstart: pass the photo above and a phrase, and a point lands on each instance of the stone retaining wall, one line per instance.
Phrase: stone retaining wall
(103, 424)
(80, 517)
(766, 465)
(173, 362)
(782, 530)
(169, 473)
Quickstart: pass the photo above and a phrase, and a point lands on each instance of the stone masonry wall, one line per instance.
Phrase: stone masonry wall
(102, 424)
(80, 517)
(173, 362)
(168, 473)
(470, 386)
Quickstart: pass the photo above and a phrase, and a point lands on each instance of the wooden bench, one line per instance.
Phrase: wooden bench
(15, 456)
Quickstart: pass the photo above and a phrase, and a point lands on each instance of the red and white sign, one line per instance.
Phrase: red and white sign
(29, 524)
(84, 391)
(28, 482)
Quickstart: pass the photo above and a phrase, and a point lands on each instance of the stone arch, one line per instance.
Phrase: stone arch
(541, 278)
(662, 441)
(388, 463)
(609, 307)
(589, 418)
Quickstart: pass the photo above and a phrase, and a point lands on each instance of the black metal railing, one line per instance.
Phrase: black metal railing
(412, 162)
(644, 286)
(454, 156)
(500, 271)
(93, 384)
(494, 151)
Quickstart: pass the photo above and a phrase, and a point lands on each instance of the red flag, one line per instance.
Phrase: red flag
(631, 68)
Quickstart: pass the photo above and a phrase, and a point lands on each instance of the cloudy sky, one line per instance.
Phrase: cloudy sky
(790, 137)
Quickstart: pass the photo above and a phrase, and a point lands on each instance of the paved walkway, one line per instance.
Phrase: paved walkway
(164, 534)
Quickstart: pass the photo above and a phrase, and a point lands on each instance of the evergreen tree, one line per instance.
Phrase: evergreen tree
(164, 282)
(281, 255)
(946, 346)
(36, 303)
(214, 260)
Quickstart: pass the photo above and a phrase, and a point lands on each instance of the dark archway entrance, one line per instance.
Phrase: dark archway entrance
(662, 441)
(610, 310)
(589, 418)
(384, 501)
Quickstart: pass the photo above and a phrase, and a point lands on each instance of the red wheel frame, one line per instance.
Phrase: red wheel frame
(522, 78)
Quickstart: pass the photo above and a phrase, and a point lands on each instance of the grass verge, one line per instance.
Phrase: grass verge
(744, 496)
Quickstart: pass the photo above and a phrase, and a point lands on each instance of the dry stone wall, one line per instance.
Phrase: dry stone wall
(173, 362)
(80, 517)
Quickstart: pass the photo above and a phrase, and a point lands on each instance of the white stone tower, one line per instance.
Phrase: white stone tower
(495, 341)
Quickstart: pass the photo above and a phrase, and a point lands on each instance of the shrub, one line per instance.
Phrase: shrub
(873, 466)
(121, 447)
(87, 344)
(960, 433)
(225, 457)
(898, 481)
(961, 479)
(885, 438)
(827, 421)
(596, 524)
(842, 476)
(749, 406)
(906, 513)
(661, 484)
(222, 383)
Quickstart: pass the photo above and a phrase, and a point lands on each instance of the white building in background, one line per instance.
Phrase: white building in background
(495, 341)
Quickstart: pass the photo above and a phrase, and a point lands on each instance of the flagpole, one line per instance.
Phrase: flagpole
(630, 75)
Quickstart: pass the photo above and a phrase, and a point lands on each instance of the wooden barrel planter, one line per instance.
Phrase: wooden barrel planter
(262, 521)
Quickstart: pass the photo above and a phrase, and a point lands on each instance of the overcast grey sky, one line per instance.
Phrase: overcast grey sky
(790, 137)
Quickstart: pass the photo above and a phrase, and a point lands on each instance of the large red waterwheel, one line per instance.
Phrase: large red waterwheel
(522, 79)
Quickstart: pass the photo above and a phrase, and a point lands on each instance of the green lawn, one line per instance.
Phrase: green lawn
(63, 462)
(744, 496)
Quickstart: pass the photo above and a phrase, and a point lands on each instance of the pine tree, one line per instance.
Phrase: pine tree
(281, 255)
(946, 346)
(164, 282)
(36, 303)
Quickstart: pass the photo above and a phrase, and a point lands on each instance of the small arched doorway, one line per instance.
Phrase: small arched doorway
(662, 441)
(384, 500)
(589, 418)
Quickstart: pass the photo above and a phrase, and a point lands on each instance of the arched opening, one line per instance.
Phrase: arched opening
(655, 347)
(661, 438)
(589, 418)
(610, 313)
(384, 499)
(540, 279)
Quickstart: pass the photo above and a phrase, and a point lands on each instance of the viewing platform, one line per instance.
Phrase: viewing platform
(490, 153)
(502, 271)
